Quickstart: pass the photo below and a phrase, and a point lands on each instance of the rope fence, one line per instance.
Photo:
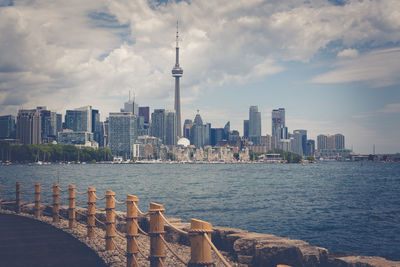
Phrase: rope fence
(199, 234)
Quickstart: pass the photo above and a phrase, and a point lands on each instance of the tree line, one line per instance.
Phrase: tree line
(52, 153)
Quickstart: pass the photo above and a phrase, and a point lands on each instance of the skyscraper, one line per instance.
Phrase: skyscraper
(186, 128)
(339, 141)
(170, 128)
(7, 127)
(145, 113)
(246, 128)
(29, 126)
(254, 125)
(158, 118)
(177, 73)
(122, 133)
(197, 132)
(79, 119)
(278, 122)
(303, 141)
(322, 141)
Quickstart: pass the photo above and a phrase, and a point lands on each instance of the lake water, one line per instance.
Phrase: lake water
(343, 206)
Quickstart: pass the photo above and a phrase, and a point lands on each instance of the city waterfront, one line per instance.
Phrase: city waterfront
(348, 207)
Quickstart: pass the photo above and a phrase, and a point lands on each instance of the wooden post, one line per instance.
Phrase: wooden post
(282, 265)
(110, 219)
(157, 250)
(18, 197)
(56, 202)
(200, 249)
(71, 206)
(37, 200)
(91, 212)
(131, 230)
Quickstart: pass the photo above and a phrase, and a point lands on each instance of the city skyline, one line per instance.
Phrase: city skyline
(330, 79)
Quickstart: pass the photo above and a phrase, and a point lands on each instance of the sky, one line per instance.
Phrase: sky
(333, 65)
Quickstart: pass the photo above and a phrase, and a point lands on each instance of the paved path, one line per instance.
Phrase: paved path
(27, 242)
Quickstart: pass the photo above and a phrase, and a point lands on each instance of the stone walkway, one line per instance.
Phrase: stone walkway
(27, 242)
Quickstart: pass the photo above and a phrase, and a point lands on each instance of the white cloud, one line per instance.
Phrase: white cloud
(350, 53)
(377, 69)
(76, 53)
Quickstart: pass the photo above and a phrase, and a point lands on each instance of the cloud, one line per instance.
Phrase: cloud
(376, 69)
(392, 109)
(76, 53)
(351, 53)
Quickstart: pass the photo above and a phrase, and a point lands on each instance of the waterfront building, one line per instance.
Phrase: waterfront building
(246, 128)
(122, 133)
(278, 122)
(145, 113)
(322, 141)
(158, 118)
(177, 73)
(310, 148)
(79, 119)
(217, 135)
(339, 141)
(7, 127)
(254, 125)
(29, 126)
(79, 139)
(170, 128)
(303, 141)
(286, 144)
(186, 128)
(330, 142)
(97, 127)
(266, 141)
(197, 132)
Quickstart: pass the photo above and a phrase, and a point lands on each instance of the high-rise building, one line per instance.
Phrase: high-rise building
(330, 142)
(246, 128)
(310, 148)
(197, 132)
(131, 106)
(278, 122)
(216, 135)
(339, 141)
(177, 73)
(79, 119)
(145, 113)
(122, 133)
(7, 127)
(186, 128)
(158, 118)
(29, 126)
(322, 141)
(299, 143)
(254, 125)
(303, 144)
(170, 128)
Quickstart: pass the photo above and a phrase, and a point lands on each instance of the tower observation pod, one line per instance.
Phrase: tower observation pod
(177, 73)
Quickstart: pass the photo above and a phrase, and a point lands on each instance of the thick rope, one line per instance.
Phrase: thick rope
(140, 229)
(174, 227)
(80, 203)
(172, 250)
(119, 202)
(161, 261)
(222, 258)
(99, 198)
(118, 248)
(81, 193)
(141, 212)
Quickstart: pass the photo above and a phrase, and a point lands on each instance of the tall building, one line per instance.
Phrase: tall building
(322, 141)
(122, 133)
(186, 128)
(339, 141)
(246, 128)
(177, 73)
(170, 128)
(29, 126)
(310, 148)
(7, 127)
(197, 132)
(299, 142)
(254, 125)
(97, 128)
(330, 142)
(216, 135)
(131, 106)
(303, 143)
(158, 118)
(79, 119)
(145, 113)
(278, 122)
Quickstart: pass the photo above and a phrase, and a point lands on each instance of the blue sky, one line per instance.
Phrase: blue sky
(334, 65)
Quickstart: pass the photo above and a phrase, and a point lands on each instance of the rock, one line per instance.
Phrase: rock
(363, 261)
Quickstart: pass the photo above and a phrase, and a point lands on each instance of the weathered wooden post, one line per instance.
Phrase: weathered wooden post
(91, 212)
(131, 230)
(282, 265)
(110, 219)
(37, 200)
(157, 250)
(56, 202)
(200, 249)
(18, 197)
(71, 206)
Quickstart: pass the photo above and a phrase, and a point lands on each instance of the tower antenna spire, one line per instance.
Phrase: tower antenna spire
(177, 34)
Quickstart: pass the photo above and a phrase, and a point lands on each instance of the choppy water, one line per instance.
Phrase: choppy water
(345, 207)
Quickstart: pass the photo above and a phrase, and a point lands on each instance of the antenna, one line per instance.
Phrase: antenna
(177, 33)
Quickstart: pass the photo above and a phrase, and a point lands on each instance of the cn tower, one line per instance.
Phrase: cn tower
(177, 73)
